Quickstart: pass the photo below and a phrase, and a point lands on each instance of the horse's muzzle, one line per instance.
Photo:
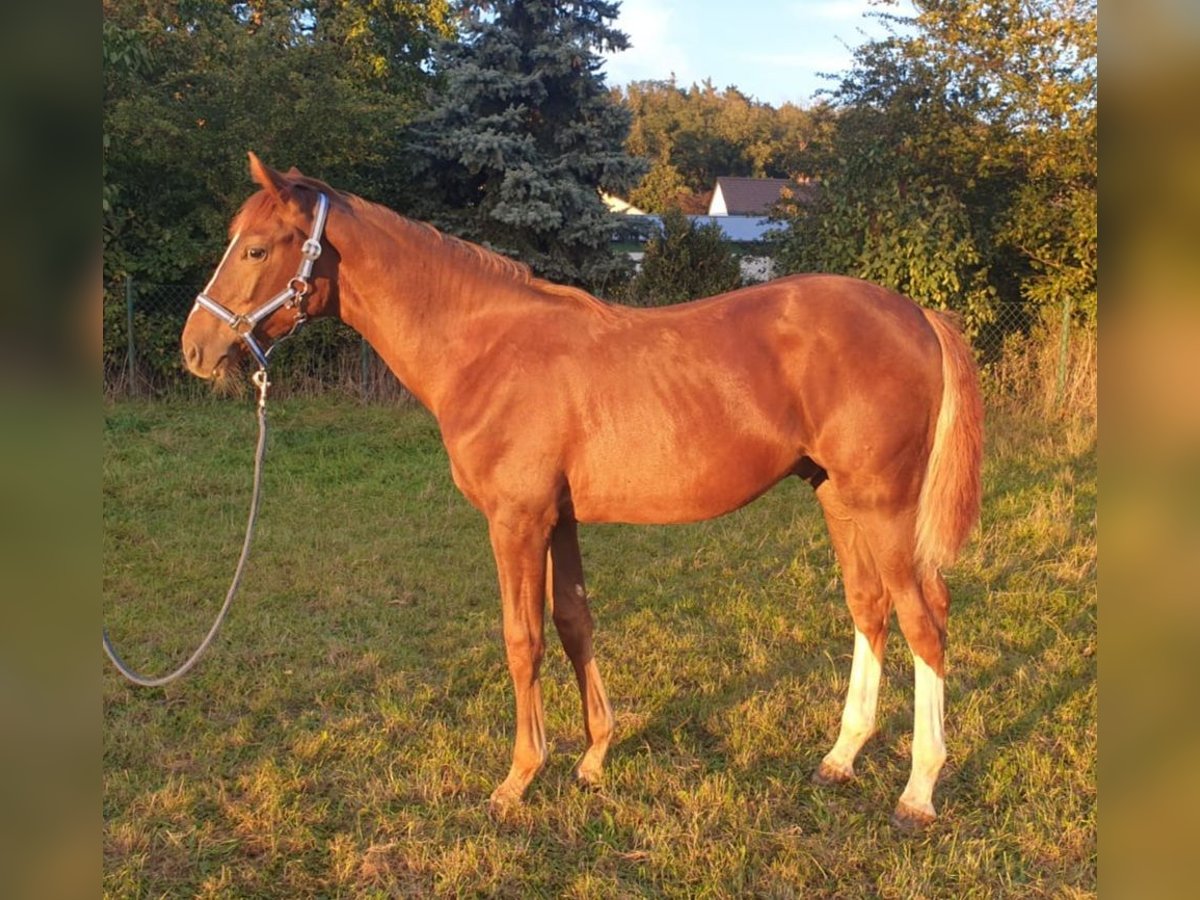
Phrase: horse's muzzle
(204, 364)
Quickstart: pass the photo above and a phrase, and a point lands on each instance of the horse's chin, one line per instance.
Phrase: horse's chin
(226, 378)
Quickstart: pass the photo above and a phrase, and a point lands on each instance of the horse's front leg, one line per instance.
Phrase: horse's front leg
(520, 546)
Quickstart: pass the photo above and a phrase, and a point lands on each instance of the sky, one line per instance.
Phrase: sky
(771, 50)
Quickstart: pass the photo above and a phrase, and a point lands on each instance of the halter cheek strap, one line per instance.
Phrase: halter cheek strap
(292, 296)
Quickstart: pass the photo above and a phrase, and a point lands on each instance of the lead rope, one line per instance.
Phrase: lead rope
(260, 380)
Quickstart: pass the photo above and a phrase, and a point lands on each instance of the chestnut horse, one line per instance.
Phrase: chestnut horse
(557, 408)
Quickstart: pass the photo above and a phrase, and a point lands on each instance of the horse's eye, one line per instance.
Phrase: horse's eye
(257, 253)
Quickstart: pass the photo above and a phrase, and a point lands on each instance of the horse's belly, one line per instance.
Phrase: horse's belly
(648, 483)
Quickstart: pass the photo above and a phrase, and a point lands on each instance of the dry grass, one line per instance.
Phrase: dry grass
(1041, 377)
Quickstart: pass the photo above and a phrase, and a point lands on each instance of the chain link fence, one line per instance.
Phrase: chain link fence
(143, 322)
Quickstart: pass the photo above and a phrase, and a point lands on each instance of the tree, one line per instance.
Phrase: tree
(524, 136)
(190, 87)
(960, 163)
(696, 135)
(685, 261)
(901, 200)
(662, 189)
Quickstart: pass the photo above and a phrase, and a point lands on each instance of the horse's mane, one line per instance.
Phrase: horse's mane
(262, 203)
(473, 254)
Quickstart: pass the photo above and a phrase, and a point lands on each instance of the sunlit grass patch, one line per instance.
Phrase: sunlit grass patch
(344, 733)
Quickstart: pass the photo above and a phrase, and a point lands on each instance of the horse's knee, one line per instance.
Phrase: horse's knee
(570, 605)
(571, 616)
(524, 650)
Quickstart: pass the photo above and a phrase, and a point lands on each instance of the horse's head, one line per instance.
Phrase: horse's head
(276, 272)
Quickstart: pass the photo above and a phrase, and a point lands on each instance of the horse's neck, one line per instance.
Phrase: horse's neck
(413, 299)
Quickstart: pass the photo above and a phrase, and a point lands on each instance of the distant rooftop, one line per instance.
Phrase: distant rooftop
(622, 207)
(735, 196)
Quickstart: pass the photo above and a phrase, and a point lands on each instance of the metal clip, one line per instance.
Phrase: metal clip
(260, 381)
(296, 303)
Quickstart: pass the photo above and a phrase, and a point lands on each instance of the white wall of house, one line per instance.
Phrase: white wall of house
(716, 206)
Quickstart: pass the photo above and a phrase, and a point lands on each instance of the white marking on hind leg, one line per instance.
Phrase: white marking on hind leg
(858, 716)
(929, 741)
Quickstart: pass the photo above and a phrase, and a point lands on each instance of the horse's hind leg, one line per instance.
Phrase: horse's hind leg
(573, 620)
(923, 615)
(922, 606)
(870, 608)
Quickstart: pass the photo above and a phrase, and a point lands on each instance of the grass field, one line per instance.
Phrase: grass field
(342, 736)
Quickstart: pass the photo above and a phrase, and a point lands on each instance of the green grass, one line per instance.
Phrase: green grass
(343, 734)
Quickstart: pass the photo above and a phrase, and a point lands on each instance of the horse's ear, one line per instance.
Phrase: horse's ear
(268, 179)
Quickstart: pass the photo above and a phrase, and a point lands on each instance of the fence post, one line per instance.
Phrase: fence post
(130, 357)
(1064, 352)
(362, 369)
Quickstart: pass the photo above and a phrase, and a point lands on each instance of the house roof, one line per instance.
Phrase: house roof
(753, 196)
(615, 204)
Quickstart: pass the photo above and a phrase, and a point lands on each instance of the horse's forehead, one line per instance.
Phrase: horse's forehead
(258, 214)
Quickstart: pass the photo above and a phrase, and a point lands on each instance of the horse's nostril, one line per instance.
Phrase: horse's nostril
(191, 353)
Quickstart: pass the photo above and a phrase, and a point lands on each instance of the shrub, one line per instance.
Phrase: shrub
(684, 261)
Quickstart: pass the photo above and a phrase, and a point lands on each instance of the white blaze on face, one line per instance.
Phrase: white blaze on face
(220, 265)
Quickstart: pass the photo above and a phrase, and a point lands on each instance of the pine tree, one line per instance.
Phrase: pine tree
(525, 134)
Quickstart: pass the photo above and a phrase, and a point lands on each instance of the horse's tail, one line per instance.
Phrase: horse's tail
(948, 507)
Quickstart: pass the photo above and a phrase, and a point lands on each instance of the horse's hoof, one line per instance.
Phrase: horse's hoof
(589, 779)
(912, 820)
(503, 801)
(829, 774)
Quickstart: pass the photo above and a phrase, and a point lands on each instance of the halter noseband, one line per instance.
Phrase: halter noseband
(292, 296)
